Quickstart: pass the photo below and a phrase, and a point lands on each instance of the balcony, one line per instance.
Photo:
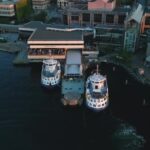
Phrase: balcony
(46, 54)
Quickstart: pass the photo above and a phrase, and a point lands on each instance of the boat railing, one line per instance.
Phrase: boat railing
(46, 52)
(98, 95)
(73, 76)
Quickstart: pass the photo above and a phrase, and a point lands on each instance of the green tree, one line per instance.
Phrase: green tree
(124, 2)
(40, 16)
(23, 10)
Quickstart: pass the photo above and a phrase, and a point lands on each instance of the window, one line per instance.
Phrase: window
(97, 17)
(109, 18)
(96, 86)
(86, 17)
(147, 21)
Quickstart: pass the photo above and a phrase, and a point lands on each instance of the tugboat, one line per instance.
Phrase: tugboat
(72, 89)
(97, 98)
(51, 73)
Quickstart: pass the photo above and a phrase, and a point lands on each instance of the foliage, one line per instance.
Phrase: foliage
(40, 16)
(124, 56)
(124, 2)
(5, 20)
(23, 10)
(104, 50)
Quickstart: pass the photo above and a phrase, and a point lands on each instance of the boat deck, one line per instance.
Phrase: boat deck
(73, 85)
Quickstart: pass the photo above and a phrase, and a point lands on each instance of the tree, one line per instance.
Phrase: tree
(124, 2)
(23, 10)
(40, 16)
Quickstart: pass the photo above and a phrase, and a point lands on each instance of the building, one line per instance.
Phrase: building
(103, 15)
(45, 44)
(102, 5)
(132, 27)
(40, 4)
(147, 59)
(145, 23)
(7, 9)
(109, 37)
(62, 4)
(95, 13)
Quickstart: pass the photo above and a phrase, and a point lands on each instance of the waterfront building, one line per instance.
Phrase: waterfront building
(105, 16)
(46, 44)
(132, 27)
(27, 29)
(102, 5)
(12, 10)
(145, 23)
(62, 4)
(109, 37)
(40, 4)
(7, 9)
(147, 59)
(57, 39)
(94, 13)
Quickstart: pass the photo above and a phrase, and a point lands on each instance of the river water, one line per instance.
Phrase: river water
(32, 118)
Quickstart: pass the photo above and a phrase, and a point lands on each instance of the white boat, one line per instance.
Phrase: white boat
(97, 97)
(51, 73)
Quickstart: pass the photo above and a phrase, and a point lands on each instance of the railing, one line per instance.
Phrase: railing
(46, 56)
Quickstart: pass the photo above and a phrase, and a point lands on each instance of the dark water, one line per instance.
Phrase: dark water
(33, 119)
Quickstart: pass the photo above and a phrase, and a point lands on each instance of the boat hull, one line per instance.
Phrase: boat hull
(96, 109)
(72, 102)
(50, 86)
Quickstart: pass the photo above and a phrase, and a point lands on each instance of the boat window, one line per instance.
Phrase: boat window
(48, 74)
(96, 86)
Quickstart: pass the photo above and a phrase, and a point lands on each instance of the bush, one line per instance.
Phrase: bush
(40, 16)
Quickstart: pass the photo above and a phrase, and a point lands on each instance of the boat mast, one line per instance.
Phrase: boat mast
(97, 69)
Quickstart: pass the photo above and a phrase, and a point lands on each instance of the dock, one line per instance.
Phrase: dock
(21, 58)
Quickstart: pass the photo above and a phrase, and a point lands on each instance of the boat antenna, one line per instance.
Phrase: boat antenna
(97, 69)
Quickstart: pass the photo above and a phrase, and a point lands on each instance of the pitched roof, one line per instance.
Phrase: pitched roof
(136, 13)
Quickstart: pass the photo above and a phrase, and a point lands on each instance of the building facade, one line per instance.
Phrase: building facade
(7, 9)
(40, 4)
(46, 44)
(145, 23)
(102, 5)
(62, 4)
(132, 28)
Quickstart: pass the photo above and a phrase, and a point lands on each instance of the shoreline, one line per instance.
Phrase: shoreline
(8, 51)
(136, 76)
(21, 60)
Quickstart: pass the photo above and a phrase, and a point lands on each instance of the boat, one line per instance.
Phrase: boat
(51, 73)
(72, 87)
(97, 97)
